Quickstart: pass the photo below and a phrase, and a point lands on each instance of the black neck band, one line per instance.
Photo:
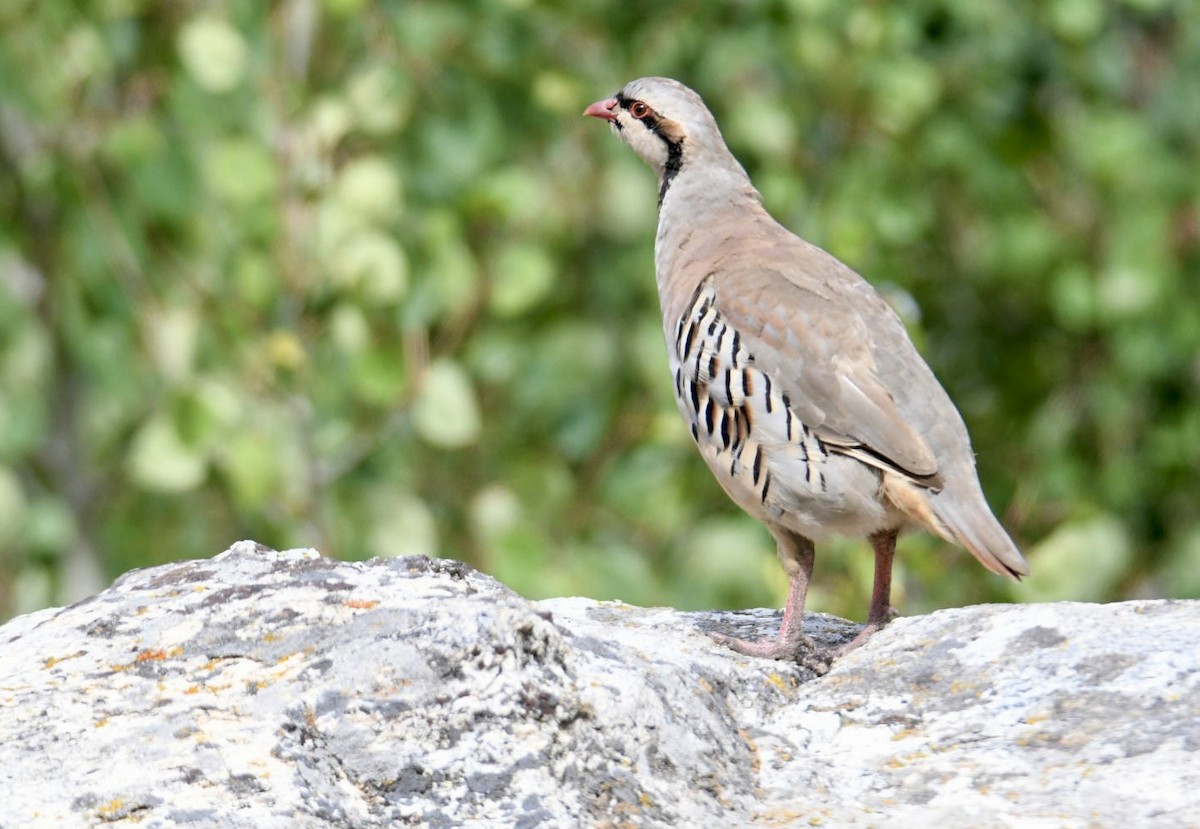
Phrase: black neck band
(674, 163)
(654, 123)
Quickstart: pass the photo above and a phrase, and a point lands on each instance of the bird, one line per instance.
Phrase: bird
(801, 387)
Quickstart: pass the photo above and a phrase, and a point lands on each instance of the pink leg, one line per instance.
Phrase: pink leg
(797, 554)
(881, 596)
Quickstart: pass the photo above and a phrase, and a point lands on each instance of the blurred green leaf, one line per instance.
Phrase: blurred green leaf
(13, 507)
(401, 525)
(172, 334)
(1081, 560)
(907, 90)
(214, 53)
(372, 261)
(1077, 20)
(369, 187)
(380, 375)
(250, 460)
(445, 412)
(160, 460)
(1180, 575)
(381, 99)
(732, 558)
(523, 275)
(495, 509)
(349, 329)
(50, 527)
(378, 274)
(450, 277)
(241, 170)
(762, 125)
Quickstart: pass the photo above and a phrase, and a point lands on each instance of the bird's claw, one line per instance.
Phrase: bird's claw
(801, 650)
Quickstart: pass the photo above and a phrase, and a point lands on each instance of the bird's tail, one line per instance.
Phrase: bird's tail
(960, 517)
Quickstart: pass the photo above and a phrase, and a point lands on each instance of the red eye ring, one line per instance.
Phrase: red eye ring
(639, 110)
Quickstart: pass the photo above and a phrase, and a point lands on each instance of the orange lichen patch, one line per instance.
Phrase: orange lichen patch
(51, 661)
(192, 689)
(158, 654)
(778, 681)
(100, 723)
(112, 808)
(361, 604)
(270, 637)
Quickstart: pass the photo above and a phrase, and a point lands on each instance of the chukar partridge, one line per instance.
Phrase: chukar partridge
(800, 385)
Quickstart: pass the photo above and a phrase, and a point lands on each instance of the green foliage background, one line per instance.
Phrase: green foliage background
(358, 276)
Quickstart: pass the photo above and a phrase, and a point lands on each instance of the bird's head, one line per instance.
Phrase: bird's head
(664, 122)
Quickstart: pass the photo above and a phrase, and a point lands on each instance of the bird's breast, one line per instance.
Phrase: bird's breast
(743, 422)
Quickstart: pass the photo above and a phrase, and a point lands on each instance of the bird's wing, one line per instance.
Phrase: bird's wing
(804, 331)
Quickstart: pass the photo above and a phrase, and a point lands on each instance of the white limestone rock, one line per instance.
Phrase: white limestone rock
(282, 689)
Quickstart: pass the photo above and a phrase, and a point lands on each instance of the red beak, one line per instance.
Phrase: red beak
(603, 109)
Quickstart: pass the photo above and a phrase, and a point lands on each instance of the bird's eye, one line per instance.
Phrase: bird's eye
(639, 110)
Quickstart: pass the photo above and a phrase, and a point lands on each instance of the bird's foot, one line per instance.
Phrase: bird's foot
(794, 646)
(872, 627)
(799, 649)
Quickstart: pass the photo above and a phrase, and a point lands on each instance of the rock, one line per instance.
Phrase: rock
(282, 689)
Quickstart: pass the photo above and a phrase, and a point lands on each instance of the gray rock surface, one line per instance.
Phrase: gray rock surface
(266, 689)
